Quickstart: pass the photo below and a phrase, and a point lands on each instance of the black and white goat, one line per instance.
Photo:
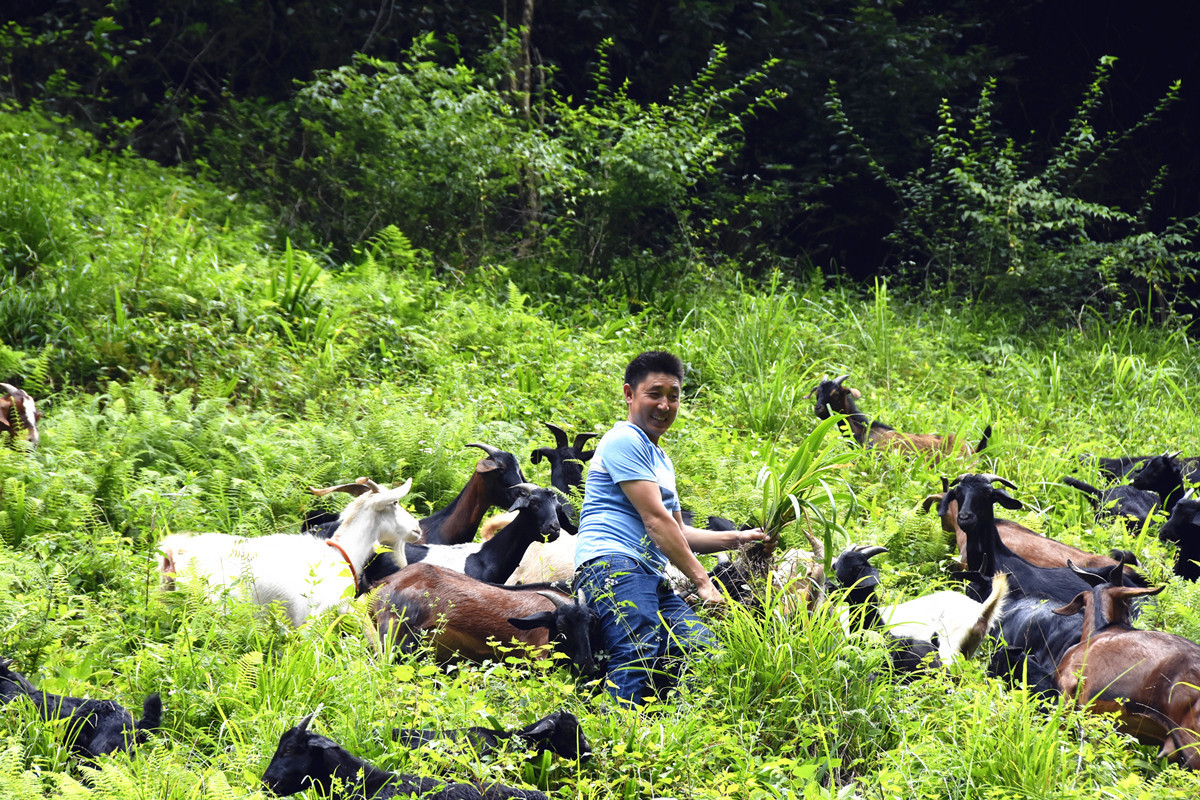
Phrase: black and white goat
(305, 759)
(19, 414)
(948, 624)
(558, 733)
(95, 727)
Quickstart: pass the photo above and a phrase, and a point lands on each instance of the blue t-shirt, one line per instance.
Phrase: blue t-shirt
(608, 523)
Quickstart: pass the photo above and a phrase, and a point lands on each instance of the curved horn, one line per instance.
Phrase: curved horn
(1176, 454)
(838, 381)
(992, 477)
(360, 486)
(487, 448)
(525, 488)
(1188, 494)
(958, 480)
(304, 723)
(14, 391)
(555, 598)
(560, 436)
(580, 440)
(580, 599)
(870, 550)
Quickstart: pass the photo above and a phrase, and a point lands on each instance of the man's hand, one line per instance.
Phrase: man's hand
(709, 594)
(750, 536)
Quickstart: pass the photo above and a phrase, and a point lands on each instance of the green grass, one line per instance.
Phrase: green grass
(198, 374)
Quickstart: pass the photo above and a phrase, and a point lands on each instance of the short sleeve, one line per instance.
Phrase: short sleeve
(628, 459)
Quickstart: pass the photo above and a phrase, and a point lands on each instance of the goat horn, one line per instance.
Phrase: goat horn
(580, 598)
(555, 598)
(525, 488)
(838, 381)
(304, 723)
(487, 448)
(1176, 454)
(581, 439)
(1188, 494)
(818, 545)
(560, 436)
(992, 477)
(14, 391)
(358, 487)
(870, 550)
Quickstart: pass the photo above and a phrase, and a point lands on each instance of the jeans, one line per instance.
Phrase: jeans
(644, 624)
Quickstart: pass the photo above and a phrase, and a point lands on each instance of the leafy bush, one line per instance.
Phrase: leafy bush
(986, 216)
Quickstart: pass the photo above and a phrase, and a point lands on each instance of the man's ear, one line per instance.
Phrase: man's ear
(628, 393)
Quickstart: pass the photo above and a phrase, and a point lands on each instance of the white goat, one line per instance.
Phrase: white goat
(306, 574)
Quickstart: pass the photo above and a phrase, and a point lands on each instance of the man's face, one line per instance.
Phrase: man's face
(653, 403)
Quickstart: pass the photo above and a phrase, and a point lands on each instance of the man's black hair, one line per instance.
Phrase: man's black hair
(653, 361)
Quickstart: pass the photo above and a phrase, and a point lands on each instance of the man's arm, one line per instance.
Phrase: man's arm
(666, 532)
(700, 540)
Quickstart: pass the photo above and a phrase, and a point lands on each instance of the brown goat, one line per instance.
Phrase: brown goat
(833, 397)
(1149, 679)
(466, 618)
(18, 414)
(1038, 550)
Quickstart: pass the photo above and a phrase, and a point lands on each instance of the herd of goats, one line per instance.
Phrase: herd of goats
(474, 589)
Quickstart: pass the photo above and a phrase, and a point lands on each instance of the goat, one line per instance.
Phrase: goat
(18, 414)
(305, 759)
(1156, 483)
(467, 618)
(306, 573)
(566, 460)
(492, 484)
(1149, 679)
(1115, 469)
(986, 553)
(833, 397)
(557, 733)
(946, 623)
(1041, 551)
(1183, 529)
(95, 727)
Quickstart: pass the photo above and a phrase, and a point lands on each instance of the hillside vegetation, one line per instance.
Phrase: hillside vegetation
(198, 373)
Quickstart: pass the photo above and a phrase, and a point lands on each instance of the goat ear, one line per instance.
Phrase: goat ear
(542, 619)
(1007, 500)
(1073, 607)
(944, 503)
(486, 465)
(855, 392)
(542, 726)
(1130, 592)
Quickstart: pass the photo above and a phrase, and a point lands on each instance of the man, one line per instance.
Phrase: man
(630, 526)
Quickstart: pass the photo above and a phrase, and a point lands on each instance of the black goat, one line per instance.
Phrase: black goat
(987, 553)
(95, 727)
(1156, 483)
(566, 460)
(305, 759)
(492, 484)
(1183, 529)
(557, 733)
(1033, 640)
(1117, 468)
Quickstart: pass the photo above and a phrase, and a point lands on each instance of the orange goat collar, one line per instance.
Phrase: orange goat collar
(349, 563)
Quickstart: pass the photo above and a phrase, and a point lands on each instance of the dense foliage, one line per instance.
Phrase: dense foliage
(198, 373)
